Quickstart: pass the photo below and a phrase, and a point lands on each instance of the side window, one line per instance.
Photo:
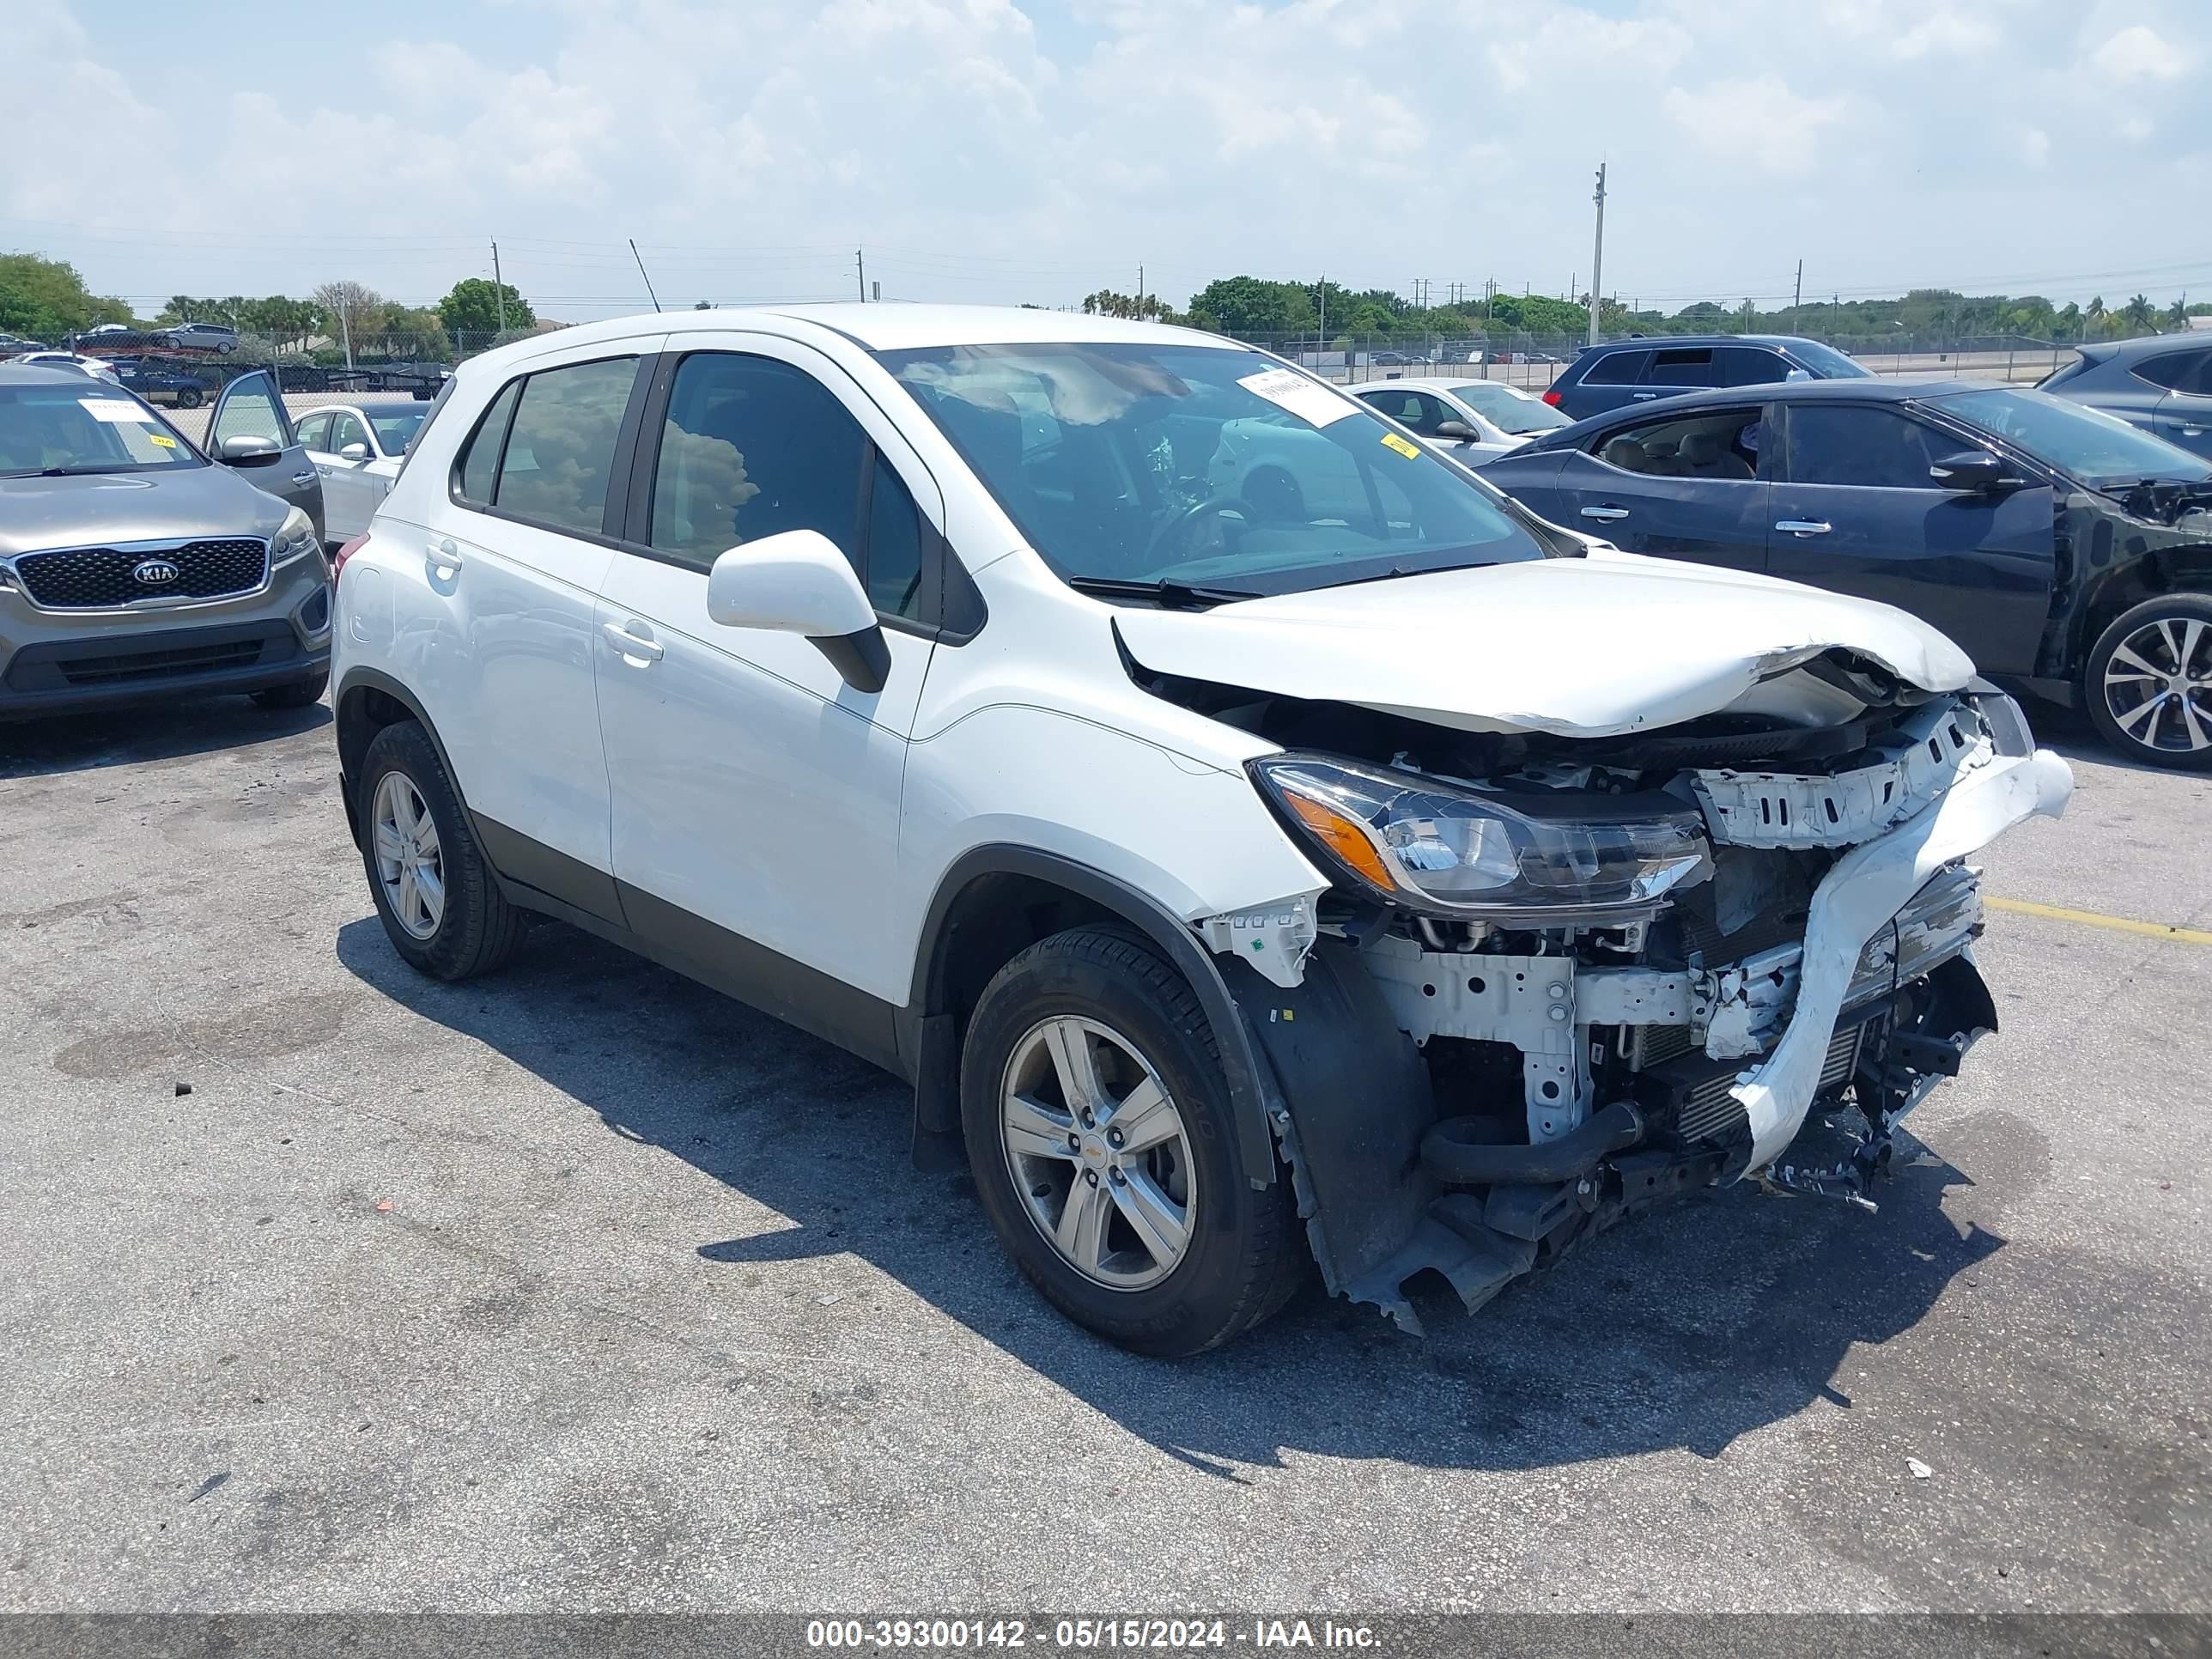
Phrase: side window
(751, 447)
(248, 412)
(313, 430)
(480, 459)
(348, 429)
(1875, 448)
(1683, 365)
(1407, 408)
(560, 448)
(1617, 369)
(894, 573)
(2186, 372)
(1748, 365)
(1710, 444)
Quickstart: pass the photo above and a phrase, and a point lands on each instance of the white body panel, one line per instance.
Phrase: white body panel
(1582, 647)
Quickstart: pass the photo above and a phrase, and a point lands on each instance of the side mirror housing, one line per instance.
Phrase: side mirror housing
(798, 583)
(244, 451)
(1969, 469)
(354, 452)
(1456, 429)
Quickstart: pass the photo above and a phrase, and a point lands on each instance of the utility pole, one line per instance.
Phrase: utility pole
(860, 268)
(1797, 298)
(1322, 342)
(498, 292)
(1597, 258)
(1140, 290)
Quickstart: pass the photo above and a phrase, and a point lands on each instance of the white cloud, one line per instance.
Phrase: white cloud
(2035, 147)
(2137, 53)
(1760, 124)
(1945, 33)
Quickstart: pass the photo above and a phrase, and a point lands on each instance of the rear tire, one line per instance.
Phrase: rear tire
(2149, 682)
(472, 928)
(298, 695)
(1102, 1005)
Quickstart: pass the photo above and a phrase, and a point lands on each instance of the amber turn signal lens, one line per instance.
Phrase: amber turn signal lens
(1342, 837)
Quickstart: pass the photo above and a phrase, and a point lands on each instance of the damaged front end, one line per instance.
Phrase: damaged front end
(1556, 981)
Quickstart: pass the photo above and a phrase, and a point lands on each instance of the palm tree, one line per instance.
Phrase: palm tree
(2094, 316)
(2178, 313)
(2139, 314)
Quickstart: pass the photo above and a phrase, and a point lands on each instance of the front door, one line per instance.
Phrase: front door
(1685, 488)
(352, 492)
(250, 407)
(757, 792)
(1858, 513)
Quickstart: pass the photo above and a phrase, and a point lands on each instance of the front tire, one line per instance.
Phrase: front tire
(2149, 682)
(189, 398)
(1099, 1129)
(438, 899)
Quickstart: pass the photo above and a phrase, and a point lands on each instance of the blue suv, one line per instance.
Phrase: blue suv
(1623, 371)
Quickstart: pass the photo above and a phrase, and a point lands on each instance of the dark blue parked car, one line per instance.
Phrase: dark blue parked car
(2162, 384)
(2069, 554)
(1622, 372)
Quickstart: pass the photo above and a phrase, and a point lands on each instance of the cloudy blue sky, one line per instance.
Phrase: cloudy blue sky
(1029, 151)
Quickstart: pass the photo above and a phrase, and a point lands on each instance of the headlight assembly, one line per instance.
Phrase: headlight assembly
(1412, 841)
(297, 536)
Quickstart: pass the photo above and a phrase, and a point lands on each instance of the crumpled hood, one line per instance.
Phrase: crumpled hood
(95, 509)
(1586, 648)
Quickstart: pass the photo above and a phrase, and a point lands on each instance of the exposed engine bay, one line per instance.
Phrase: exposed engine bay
(1611, 970)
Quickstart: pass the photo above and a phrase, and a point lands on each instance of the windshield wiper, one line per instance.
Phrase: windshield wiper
(1166, 591)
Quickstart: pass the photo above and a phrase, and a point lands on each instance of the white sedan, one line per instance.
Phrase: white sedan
(98, 368)
(357, 449)
(1493, 417)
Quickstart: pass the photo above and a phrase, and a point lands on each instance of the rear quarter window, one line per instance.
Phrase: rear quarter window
(1616, 368)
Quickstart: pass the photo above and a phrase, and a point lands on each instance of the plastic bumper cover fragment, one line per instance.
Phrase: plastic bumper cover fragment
(1864, 889)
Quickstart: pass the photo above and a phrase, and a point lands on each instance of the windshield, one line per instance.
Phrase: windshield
(396, 428)
(2095, 447)
(1510, 411)
(1190, 465)
(83, 428)
(1827, 362)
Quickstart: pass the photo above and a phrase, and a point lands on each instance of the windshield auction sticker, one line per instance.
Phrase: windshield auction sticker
(1305, 399)
(116, 412)
(1391, 440)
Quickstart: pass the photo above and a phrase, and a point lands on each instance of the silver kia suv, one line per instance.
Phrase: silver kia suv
(133, 568)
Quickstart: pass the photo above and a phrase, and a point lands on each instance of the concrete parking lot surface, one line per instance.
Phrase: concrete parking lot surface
(580, 1287)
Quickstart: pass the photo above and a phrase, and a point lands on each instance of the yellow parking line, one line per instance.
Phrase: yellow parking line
(2095, 918)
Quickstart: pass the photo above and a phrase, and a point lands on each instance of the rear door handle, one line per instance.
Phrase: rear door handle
(631, 646)
(443, 555)
(303, 479)
(1804, 526)
(1607, 514)
(1641, 396)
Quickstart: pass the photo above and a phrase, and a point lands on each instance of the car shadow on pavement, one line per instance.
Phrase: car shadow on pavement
(154, 732)
(1686, 1328)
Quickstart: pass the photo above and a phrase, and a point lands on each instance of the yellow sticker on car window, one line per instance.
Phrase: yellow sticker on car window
(157, 438)
(1404, 446)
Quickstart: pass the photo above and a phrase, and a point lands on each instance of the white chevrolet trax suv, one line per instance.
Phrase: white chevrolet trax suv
(1255, 864)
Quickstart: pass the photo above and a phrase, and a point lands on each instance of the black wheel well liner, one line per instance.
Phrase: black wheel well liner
(998, 900)
(367, 701)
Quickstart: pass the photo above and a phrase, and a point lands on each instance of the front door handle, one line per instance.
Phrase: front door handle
(631, 646)
(1642, 396)
(1804, 526)
(1607, 514)
(303, 479)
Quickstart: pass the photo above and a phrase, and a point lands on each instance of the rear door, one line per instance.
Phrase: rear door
(1634, 486)
(1856, 512)
(2184, 414)
(250, 407)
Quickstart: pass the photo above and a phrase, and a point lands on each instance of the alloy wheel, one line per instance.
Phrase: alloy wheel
(1098, 1152)
(410, 865)
(2158, 685)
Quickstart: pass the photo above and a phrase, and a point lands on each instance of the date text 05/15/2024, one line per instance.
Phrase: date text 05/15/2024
(1164, 1635)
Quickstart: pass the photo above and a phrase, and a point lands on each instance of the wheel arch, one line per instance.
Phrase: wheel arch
(2187, 568)
(367, 701)
(996, 901)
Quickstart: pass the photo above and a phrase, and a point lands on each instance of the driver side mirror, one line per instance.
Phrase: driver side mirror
(245, 451)
(798, 583)
(1459, 430)
(1970, 470)
(355, 452)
